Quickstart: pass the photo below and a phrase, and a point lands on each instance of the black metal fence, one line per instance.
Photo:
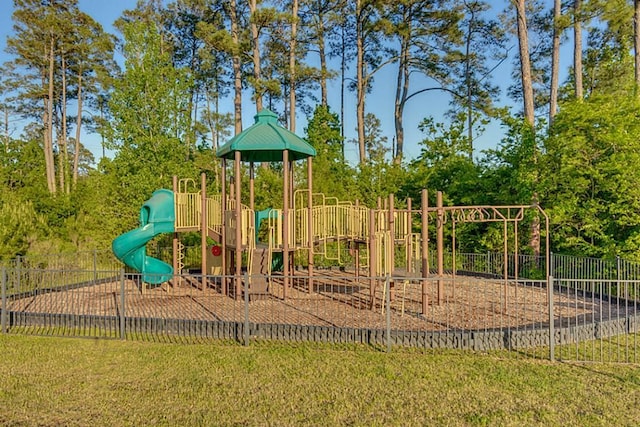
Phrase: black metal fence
(590, 308)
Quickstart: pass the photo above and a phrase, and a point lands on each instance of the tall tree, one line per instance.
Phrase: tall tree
(529, 115)
(426, 32)
(555, 59)
(577, 48)
(150, 115)
(525, 61)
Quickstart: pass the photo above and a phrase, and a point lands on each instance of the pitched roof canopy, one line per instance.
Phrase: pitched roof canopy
(265, 141)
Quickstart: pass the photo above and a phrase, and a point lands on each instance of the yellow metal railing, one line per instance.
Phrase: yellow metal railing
(188, 210)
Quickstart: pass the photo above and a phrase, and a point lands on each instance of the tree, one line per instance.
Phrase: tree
(426, 32)
(150, 113)
(558, 29)
(525, 61)
(592, 179)
(37, 29)
(331, 174)
(367, 57)
(577, 48)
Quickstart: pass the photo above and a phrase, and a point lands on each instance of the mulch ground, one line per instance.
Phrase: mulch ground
(337, 300)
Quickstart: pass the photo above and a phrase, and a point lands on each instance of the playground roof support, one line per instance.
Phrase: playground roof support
(266, 142)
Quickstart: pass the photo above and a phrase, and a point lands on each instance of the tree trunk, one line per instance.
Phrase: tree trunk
(555, 61)
(76, 152)
(237, 71)
(467, 77)
(292, 67)
(64, 152)
(577, 48)
(402, 89)
(323, 63)
(48, 140)
(255, 46)
(525, 63)
(360, 82)
(527, 94)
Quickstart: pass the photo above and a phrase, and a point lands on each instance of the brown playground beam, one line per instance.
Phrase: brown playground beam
(372, 258)
(285, 224)
(440, 246)
(425, 249)
(409, 248)
(310, 220)
(223, 233)
(204, 228)
(238, 208)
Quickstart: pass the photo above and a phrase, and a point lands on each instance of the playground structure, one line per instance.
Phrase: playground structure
(383, 241)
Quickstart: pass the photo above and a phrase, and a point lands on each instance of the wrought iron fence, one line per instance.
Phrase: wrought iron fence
(590, 309)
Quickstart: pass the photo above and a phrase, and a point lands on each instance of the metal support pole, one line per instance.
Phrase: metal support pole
(122, 308)
(95, 265)
(387, 286)
(409, 239)
(372, 259)
(175, 236)
(223, 230)
(238, 244)
(552, 332)
(246, 309)
(425, 249)
(285, 224)
(310, 220)
(440, 247)
(3, 316)
(204, 226)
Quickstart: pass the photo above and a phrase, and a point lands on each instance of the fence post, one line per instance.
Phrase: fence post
(122, 316)
(95, 265)
(18, 274)
(487, 264)
(246, 309)
(552, 331)
(387, 292)
(4, 301)
(618, 275)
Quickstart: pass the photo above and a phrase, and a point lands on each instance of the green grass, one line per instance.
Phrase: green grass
(48, 381)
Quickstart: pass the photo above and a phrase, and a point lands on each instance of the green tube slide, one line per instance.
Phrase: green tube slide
(157, 216)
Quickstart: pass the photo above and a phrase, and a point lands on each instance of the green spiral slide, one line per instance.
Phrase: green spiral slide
(157, 216)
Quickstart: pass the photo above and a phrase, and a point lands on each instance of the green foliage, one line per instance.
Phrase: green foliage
(148, 105)
(331, 174)
(20, 226)
(592, 177)
(444, 164)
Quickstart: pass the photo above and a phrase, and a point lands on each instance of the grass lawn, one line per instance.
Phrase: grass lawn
(48, 381)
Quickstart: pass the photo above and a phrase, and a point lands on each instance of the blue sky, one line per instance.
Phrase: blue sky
(379, 101)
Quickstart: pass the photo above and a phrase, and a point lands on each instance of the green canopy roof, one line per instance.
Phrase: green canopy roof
(265, 141)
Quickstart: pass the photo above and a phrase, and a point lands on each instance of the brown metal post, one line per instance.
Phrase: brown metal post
(310, 220)
(285, 223)
(204, 228)
(392, 241)
(372, 258)
(223, 231)
(506, 266)
(425, 249)
(408, 237)
(440, 246)
(175, 235)
(238, 259)
(251, 187)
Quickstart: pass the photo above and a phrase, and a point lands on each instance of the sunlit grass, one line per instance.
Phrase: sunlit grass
(64, 381)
